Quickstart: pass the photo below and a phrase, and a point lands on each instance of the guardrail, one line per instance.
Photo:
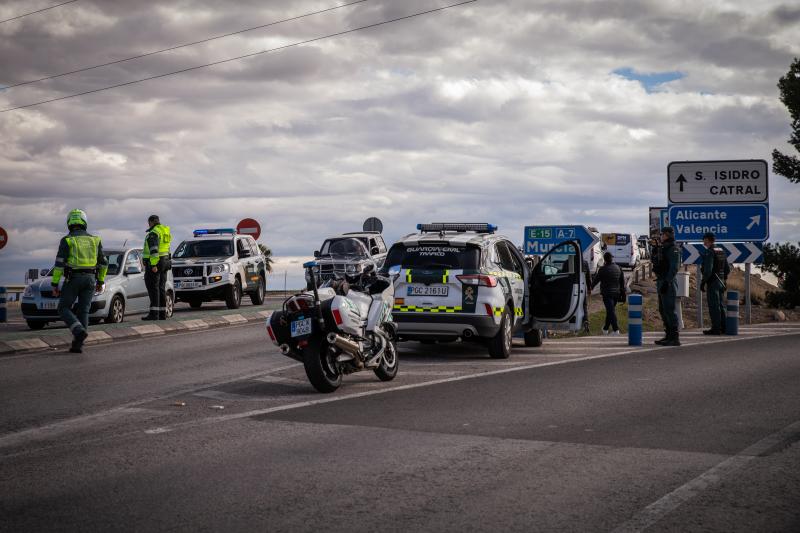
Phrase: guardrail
(644, 270)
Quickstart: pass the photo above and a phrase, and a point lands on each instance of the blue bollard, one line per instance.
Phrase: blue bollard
(732, 316)
(3, 313)
(635, 320)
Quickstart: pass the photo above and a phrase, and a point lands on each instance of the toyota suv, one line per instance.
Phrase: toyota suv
(465, 281)
(219, 264)
(347, 253)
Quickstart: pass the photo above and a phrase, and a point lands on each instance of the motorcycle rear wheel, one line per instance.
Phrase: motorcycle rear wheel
(320, 366)
(389, 363)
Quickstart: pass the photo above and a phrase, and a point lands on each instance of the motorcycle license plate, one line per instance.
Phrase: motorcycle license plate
(427, 290)
(301, 327)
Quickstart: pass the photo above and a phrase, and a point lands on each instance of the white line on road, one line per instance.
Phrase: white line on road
(668, 503)
(258, 412)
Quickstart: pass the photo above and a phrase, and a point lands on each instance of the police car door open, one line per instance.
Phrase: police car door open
(555, 295)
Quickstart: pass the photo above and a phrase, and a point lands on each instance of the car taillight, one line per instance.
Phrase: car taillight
(477, 279)
(489, 310)
(337, 317)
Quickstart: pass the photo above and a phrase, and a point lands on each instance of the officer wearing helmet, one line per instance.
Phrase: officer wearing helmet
(157, 265)
(80, 261)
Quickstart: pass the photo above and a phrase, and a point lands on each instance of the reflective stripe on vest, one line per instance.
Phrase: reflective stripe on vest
(164, 239)
(82, 251)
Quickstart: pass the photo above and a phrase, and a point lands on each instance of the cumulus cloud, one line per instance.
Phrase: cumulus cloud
(505, 111)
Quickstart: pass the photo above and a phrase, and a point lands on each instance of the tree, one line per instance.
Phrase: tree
(267, 254)
(789, 85)
(783, 260)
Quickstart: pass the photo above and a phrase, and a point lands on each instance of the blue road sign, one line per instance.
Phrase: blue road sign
(728, 222)
(737, 252)
(539, 240)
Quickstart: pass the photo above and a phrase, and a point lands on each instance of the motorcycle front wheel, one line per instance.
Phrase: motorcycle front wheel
(389, 364)
(320, 366)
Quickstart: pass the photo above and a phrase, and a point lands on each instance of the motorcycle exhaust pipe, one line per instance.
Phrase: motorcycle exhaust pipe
(346, 345)
(285, 349)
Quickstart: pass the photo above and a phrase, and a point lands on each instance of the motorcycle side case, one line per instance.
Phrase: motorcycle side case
(353, 320)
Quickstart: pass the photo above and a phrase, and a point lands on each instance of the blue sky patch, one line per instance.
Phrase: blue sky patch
(650, 81)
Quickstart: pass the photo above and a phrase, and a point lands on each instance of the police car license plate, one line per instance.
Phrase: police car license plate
(49, 305)
(428, 290)
(187, 284)
(301, 327)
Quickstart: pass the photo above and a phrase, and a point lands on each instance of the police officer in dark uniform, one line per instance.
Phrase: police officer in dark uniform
(666, 268)
(715, 270)
(157, 264)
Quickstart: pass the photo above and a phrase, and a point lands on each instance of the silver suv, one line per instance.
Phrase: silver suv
(348, 253)
(219, 264)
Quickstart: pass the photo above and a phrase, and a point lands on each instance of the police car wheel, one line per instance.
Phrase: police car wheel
(116, 311)
(234, 297)
(170, 305)
(500, 344)
(258, 297)
(36, 324)
(533, 338)
(195, 304)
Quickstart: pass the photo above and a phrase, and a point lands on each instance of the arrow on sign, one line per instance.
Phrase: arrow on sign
(681, 180)
(694, 255)
(754, 221)
(736, 252)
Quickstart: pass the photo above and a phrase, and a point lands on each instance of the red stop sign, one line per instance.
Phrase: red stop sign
(3, 237)
(248, 226)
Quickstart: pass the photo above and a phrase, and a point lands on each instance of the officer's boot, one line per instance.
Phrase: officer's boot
(162, 315)
(673, 338)
(665, 339)
(152, 315)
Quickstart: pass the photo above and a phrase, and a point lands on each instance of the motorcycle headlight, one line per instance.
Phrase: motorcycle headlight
(219, 269)
(28, 291)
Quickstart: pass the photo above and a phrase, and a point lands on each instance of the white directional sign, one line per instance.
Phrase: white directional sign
(736, 252)
(718, 182)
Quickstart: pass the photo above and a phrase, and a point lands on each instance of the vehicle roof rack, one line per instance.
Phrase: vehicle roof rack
(214, 231)
(459, 227)
(362, 233)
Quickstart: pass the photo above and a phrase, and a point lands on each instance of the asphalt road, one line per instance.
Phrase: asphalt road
(580, 435)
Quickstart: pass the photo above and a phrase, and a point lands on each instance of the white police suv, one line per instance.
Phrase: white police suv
(463, 280)
(219, 264)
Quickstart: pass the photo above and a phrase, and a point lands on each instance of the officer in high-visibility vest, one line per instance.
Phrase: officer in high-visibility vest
(157, 264)
(80, 261)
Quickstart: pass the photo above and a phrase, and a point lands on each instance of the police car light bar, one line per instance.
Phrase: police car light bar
(214, 231)
(458, 227)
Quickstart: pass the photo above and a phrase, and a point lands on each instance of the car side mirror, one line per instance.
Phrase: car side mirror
(375, 250)
(44, 271)
(131, 270)
(316, 254)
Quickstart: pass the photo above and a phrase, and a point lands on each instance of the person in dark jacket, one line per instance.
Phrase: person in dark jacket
(715, 271)
(612, 288)
(666, 269)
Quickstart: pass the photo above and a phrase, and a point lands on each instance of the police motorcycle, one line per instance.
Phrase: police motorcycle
(343, 326)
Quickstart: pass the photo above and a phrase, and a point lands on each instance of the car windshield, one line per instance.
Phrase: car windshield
(349, 246)
(114, 262)
(434, 256)
(205, 248)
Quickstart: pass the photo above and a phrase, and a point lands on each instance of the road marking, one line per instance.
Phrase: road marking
(115, 413)
(657, 510)
(374, 392)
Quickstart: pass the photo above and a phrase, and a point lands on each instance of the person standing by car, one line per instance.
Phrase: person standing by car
(80, 261)
(157, 264)
(715, 271)
(666, 269)
(612, 288)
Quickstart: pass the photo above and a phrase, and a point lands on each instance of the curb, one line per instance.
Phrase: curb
(62, 340)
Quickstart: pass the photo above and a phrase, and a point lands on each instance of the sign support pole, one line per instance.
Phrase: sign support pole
(747, 307)
(699, 297)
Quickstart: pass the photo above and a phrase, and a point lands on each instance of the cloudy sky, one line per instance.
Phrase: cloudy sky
(514, 112)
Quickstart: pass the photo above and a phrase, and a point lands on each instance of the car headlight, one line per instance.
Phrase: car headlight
(102, 289)
(219, 269)
(315, 269)
(28, 291)
(353, 269)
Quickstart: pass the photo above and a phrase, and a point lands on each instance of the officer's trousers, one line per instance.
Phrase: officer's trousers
(715, 292)
(80, 286)
(156, 283)
(666, 305)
